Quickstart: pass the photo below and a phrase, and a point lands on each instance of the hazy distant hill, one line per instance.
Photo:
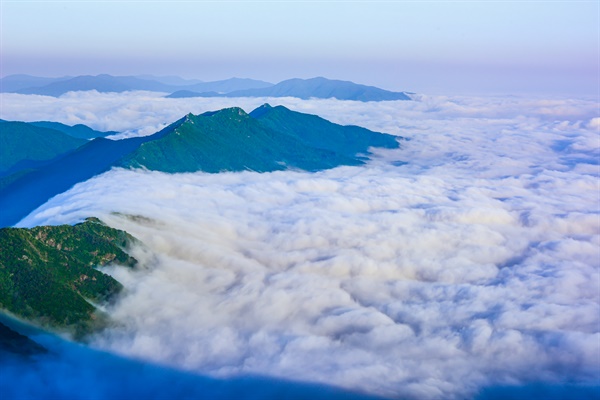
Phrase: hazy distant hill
(170, 80)
(108, 83)
(321, 88)
(21, 142)
(268, 139)
(229, 85)
(100, 83)
(196, 85)
(182, 94)
(79, 131)
(311, 88)
(13, 83)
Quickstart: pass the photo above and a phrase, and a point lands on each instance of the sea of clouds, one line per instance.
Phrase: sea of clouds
(466, 259)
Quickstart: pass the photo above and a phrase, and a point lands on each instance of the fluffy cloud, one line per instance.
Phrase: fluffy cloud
(143, 113)
(474, 264)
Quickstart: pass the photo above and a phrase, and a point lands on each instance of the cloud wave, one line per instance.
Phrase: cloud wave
(474, 264)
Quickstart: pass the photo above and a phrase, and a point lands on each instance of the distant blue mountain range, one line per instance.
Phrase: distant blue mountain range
(267, 139)
(14, 83)
(26, 84)
(78, 131)
(321, 88)
(25, 146)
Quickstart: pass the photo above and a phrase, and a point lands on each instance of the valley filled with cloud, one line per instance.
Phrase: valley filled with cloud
(468, 258)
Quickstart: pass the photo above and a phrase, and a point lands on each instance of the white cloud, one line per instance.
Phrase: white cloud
(594, 123)
(474, 264)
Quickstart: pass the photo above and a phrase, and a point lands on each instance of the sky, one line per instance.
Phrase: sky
(450, 47)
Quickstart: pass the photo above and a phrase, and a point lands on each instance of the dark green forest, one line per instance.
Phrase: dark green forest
(48, 273)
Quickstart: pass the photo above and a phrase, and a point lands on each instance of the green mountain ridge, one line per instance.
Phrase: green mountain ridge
(78, 130)
(267, 139)
(48, 275)
(24, 142)
(228, 140)
(319, 133)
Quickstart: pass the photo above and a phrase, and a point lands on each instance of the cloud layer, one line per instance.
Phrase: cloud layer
(474, 264)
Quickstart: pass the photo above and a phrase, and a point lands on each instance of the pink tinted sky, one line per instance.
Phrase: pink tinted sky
(428, 46)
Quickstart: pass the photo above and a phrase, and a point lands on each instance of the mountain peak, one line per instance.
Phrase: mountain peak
(320, 87)
(231, 112)
(260, 111)
(267, 139)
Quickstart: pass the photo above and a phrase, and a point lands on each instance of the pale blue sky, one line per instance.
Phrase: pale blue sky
(423, 46)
